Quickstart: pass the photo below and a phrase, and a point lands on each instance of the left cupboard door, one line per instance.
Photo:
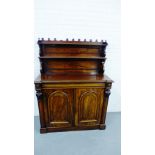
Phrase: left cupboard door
(58, 107)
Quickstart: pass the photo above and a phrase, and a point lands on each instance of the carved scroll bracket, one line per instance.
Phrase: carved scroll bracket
(38, 90)
(107, 92)
(107, 89)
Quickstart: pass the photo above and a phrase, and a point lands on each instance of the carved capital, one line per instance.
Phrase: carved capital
(108, 85)
(39, 95)
(38, 86)
(107, 92)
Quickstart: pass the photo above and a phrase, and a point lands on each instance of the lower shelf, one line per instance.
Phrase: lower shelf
(51, 129)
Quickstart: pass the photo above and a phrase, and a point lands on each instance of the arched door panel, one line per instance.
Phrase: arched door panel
(59, 107)
(89, 103)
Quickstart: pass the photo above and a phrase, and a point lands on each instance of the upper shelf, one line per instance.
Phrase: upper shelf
(72, 42)
(72, 57)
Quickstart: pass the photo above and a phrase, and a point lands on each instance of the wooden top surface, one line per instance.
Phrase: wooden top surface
(73, 79)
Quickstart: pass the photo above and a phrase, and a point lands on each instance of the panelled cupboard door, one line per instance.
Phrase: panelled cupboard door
(89, 103)
(59, 107)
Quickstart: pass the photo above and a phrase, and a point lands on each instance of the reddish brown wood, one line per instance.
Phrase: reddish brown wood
(59, 107)
(87, 58)
(89, 102)
(39, 95)
(72, 90)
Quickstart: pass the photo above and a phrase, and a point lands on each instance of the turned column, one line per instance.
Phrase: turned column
(105, 105)
(40, 106)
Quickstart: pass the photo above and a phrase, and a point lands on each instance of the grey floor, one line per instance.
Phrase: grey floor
(90, 142)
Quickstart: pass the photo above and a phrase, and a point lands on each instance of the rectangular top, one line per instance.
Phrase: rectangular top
(73, 79)
(72, 42)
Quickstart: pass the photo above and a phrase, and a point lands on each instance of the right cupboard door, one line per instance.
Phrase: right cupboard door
(89, 104)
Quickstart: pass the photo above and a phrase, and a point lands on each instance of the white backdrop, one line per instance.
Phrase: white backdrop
(90, 19)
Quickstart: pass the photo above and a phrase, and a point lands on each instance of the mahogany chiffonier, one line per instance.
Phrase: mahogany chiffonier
(72, 90)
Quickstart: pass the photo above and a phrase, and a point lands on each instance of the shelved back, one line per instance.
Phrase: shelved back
(72, 57)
